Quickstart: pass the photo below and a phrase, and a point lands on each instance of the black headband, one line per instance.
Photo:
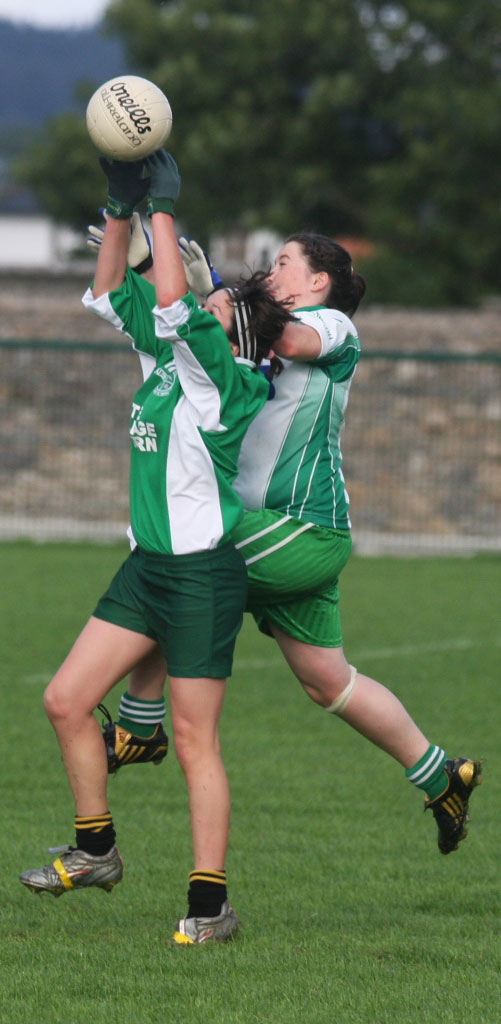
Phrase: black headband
(247, 341)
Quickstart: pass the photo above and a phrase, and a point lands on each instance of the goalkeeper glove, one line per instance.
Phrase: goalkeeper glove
(139, 255)
(127, 186)
(165, 182)
(201, 276)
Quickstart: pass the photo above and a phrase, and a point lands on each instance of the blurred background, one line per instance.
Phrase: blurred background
(375, 123)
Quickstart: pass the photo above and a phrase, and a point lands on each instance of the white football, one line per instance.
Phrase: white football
(128, 118)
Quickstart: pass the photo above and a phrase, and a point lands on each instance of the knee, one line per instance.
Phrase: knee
(185, 749)
(193, 745)
(57, 704)
(339, 703)
(184, 754)
(326, 678)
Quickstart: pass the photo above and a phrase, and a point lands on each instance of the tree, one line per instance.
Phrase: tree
(366, 119)
(62, 170)
(267, 104)
(436, 224)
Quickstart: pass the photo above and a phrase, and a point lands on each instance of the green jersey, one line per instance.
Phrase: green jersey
(188, 419)
(291, 457)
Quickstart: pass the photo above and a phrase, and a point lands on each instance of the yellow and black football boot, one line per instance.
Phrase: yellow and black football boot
(450, 809)
(123, 747)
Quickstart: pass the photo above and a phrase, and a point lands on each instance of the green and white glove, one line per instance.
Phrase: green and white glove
(165, 182)
(139, 255)
(128, 184)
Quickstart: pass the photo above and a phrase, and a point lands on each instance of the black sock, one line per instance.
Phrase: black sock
(95, 834)
(207, 893)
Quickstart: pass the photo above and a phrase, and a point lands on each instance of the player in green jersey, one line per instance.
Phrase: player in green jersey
(184, 587)
(315, 278)
(296, 539)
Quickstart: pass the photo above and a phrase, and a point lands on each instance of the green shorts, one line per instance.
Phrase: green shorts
(192, 605)
(293, 569)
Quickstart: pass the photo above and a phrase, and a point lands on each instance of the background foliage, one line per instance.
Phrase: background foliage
(366, 120)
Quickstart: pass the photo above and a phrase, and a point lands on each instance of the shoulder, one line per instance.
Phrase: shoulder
(253, 376)
(184, 313)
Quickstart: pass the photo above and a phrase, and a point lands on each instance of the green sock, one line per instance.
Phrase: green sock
(428, 773)
(140, 717)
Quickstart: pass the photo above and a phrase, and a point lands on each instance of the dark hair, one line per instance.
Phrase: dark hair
(267, 317)
(347, 288)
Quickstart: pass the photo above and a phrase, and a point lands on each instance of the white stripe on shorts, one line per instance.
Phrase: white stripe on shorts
(267, 529)
(281, 544)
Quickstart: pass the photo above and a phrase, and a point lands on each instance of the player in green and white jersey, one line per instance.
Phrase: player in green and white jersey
(187, 419)
(303, 478)
(184, 587)
(295, 535)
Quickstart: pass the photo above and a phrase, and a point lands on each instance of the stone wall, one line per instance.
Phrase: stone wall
(49, 307)
(422, 445)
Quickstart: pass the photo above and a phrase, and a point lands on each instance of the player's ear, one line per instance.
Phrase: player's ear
(320, 281)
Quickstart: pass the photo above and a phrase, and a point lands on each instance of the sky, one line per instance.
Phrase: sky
(54, 13)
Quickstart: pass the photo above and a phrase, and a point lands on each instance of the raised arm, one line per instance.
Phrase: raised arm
(169, 276)
(168, 267)
(112, 258)
(139, 255)
(127, 186)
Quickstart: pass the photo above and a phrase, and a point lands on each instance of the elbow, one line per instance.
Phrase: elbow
(286, 345)
(285, 349)
(164, 299)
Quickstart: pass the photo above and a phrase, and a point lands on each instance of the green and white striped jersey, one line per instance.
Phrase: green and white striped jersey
(187, 422)
(291, 457)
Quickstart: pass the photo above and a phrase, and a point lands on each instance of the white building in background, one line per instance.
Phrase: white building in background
(31, 241)
(233, 253)
(261, 247)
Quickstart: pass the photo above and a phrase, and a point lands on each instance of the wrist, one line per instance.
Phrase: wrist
(160, 206)
(119, 209)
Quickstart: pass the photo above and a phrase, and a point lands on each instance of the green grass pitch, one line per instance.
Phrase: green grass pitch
(349, 912)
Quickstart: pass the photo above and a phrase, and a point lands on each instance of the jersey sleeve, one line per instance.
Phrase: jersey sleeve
(211, 380)
(340, 350)
(130, 310)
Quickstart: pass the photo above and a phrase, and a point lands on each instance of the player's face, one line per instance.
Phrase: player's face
(291, 277)
(220, 305)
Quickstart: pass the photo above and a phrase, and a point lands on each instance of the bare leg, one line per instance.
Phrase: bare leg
(196, 706)
(102, 654)
(147, 679)
(372, 709)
